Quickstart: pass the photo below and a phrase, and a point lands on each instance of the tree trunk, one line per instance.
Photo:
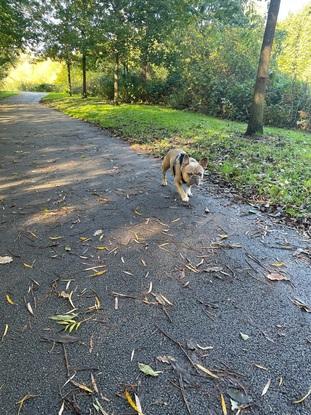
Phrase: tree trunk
(116, 81)
(84, 91)
(255, 124)
(69, 78)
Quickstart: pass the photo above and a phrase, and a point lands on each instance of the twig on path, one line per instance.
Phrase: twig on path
(182, 389)
(180, 346)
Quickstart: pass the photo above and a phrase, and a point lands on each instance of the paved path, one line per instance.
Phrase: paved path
(199, 277)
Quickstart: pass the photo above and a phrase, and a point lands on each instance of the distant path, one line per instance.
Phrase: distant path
(61, 180)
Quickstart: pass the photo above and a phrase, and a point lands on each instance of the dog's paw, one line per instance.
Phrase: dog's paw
(164, 183)
(185, 199)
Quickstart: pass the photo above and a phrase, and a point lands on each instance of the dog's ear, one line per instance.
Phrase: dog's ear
(203, 163)
(185, 160)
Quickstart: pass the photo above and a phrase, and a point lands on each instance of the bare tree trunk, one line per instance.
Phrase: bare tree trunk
(255, 124)
(116, 81)
(84, 91)
(69, 77)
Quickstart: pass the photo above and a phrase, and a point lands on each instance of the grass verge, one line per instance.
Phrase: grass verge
(275, 170)
(5, 94)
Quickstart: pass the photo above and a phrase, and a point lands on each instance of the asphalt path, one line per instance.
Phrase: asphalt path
(183, 289)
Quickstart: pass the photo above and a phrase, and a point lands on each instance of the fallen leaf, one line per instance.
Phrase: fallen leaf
(138, 404)
(131, 402)
(166, 359)
(213, 269)
(223, 404)
(278, 264)
(82, 387)
(99, 408)
(6, 329)
(94, 384)
(147, 370)
(5, 259)
(207, 371)
(60, 412)
(98, 232)
(9, 299)
(260, 367)
(304, 397)
(265, 389)
(55, 238)
(275, 276)
(29, 308)
(67, 248)
(302, 305)
(22, 401)
(28, 265)
(102, 248)
(84, 239)
(244, 336)
(98, 273)
(234, 405)
(61, 338)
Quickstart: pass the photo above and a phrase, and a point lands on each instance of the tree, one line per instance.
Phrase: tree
(59, 36)
(13, 24)
(255, 124)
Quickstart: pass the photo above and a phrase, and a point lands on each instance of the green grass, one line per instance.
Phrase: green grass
(275, 169)
(5, 94)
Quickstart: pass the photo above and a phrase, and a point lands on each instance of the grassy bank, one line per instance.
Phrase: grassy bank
(276, 169)
(5, 94)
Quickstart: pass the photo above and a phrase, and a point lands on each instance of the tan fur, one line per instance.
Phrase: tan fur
(191, 171)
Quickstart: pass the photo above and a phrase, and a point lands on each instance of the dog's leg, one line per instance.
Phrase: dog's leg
(165, 167)
(183, 194)
(188, 191)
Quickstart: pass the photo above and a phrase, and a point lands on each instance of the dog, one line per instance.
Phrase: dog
(185, 170)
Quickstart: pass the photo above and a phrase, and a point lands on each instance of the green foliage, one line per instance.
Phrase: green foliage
(278, 167)
(5, 94)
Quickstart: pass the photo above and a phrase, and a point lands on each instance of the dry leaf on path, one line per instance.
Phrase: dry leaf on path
(304, 397)
(223, 404)
(276, 276)
(60, 412)
(9, 299)
(265, 389)
(5, 259)
(5, 332)
(82, 387)
(29, 308)
(301, 305)
(131, 402)
(206, 371)
(244, 336)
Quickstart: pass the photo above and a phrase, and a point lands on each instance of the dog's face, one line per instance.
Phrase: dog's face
(192, 170)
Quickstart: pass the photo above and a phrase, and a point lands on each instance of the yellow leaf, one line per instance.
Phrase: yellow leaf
(223, 404)
(84, 239)
(27, 265)
(207, 371)
(131, 402)
(102, 248)
(278, 264)
(55, 238)
(82, 387)
(9, 299)
(98, 273)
